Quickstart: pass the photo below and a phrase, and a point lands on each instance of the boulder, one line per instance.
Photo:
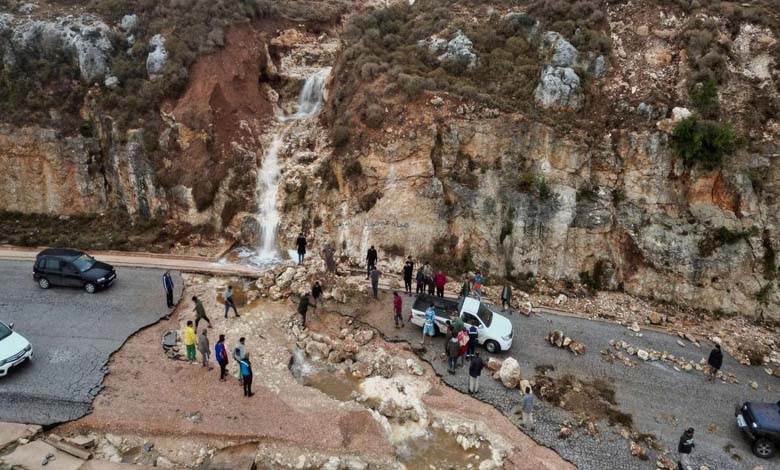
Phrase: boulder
(655, 318)
(559, 89)
(128, 22)
(577, 348)
(494, 364)
(286, 278)
(361, 370)
(510, 373)
(562, 53)
(317, 350)
(642, 354)
(638, 451)
(362, 337)
(158, 57)
(564, 433)
(754, 351)
(413, 367)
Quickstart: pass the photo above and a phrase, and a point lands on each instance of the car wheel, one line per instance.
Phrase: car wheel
(492, 347)
(89, 287)
(43, 283)
(764, 448)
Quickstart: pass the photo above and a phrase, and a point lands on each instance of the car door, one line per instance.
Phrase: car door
(70, 275)
(53, 271)
(471, 319)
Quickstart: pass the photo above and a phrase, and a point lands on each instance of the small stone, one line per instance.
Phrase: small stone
(682, 345)
(564, 433)
(634, 327)
(642, 354)
(754, 385)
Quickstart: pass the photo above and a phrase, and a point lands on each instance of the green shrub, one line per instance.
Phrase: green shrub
(373, 115)
(340, 136)
(353, 169)
(704, 97)
(722, 237)
(703, 142)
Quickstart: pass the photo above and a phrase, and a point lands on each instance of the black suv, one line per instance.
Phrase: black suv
(760, 422)
(61, 267)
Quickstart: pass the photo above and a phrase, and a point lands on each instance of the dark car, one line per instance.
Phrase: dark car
(760, 422)
(73, 268)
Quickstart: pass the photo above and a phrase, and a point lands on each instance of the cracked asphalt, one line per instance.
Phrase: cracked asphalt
(662, 401)
(73, 335)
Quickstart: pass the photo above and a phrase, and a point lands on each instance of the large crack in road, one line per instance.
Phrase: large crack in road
(74, 335)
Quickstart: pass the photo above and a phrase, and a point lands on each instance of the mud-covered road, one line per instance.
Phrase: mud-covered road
(73, 335)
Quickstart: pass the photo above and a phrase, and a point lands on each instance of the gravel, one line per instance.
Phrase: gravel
(662, 401)
(73, 335)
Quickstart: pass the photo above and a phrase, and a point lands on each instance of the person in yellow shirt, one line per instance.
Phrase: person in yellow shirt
(189, 341)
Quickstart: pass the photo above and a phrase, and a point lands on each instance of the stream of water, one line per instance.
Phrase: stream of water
(310, 102)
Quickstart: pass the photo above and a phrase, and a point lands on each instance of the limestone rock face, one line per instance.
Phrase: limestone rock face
(559, 88)
(85, 38)
(158, 57)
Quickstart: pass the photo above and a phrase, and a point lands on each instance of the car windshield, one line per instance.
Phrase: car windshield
(84, 262)
(486, 315)
(4, 331)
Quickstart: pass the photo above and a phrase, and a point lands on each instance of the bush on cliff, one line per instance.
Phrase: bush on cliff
(704, 142)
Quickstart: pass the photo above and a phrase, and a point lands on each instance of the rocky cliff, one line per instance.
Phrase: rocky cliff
(524, 138)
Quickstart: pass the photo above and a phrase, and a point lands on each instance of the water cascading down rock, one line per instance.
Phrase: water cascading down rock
(309, 104)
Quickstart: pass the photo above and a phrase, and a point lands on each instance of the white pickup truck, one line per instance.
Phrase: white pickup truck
(495, 331)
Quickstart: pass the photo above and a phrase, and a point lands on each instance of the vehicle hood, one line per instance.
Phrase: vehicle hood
(98, 270)
(766, 415)
(12, 345)
(501, 326)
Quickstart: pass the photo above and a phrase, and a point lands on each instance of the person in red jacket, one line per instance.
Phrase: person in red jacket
(440, 280)
(397, 307)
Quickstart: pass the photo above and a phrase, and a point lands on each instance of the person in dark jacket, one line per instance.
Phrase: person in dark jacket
(246, 375)
(715, 362)
(375, 281)
(475, 369)
(168, 287)
(303, 307)
(465, 288)
(371, 258)
(330, 260)
(684, 448)
(420, 282)
(408, 272)
(506, 297)
(300, 243)
(473, 340)
(220, 354)
(200, 312)
(453, 348)
(316, 294)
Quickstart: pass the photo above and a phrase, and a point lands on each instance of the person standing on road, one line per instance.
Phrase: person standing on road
(506, 297)
(205, 348)
(715, 361)
(420, 282)
(200, 312)
(316, 294)
(245, 366)
(375, 281)
(300, 243)
(465, 288)
(440, 280)
(220, 354)
(463, 341)
(189, 341)
(528, 409)
(684, 448)
(168, 287)
(371, 258)
(475, 370)
(478, 284)
(239, 352)
(228, 296)
(397, 307)
(330, 262)
(473, 339)
(303, 306)
(428, 272)
(408, 272)
(453, 348)
(428, 326)
(457, 323)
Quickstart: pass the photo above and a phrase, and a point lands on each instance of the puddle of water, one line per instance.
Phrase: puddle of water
(440, 450)
(340, 386)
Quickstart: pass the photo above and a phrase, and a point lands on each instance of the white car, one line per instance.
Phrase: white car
(495, 331)
(14, 348)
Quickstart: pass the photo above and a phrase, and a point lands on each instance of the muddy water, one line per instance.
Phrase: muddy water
(339, 385)
(439, 450)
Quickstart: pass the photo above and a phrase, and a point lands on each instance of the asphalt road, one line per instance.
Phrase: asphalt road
(73, 335)
(663, 402)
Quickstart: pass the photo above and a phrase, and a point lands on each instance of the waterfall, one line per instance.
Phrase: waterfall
(309, 104)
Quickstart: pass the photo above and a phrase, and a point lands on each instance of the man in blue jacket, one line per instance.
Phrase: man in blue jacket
(168, 286)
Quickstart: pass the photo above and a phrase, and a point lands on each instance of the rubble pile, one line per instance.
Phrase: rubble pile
(558, 339)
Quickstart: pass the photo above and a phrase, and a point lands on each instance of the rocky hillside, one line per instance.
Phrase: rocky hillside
(626, 145)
